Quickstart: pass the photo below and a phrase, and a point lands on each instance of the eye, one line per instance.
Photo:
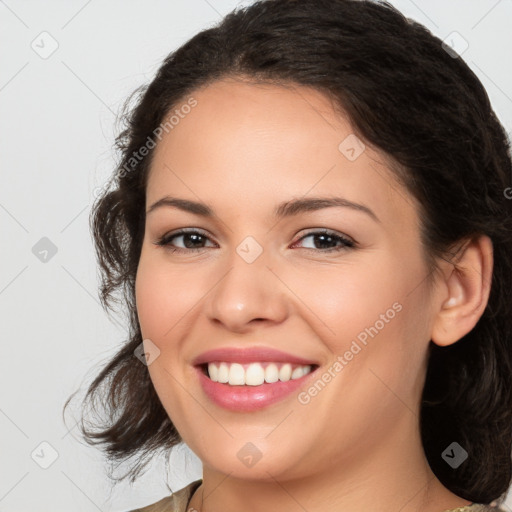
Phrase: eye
(192, 240)
(327, 237)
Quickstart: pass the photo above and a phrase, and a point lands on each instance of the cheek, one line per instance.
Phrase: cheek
(372, 313)
(163, 299)
(150, 297)
(378, 342)
(163, 295)
(347, 298)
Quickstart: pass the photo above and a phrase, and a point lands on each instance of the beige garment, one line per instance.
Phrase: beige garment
(178, 502)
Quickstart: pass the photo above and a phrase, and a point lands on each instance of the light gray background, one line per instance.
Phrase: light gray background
(57, 128)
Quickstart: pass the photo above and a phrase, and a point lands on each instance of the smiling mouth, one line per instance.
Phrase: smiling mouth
(254, 374)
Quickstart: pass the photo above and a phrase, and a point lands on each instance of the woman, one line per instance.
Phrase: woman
(311, 229)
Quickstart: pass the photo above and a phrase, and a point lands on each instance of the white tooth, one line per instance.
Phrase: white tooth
(236, 375)
(285, 372)
(297, 373)
(213, 371)
(223, 374)
(271, 373)
(254, 375)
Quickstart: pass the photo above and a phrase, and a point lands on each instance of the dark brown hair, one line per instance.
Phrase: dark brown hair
(418, 104)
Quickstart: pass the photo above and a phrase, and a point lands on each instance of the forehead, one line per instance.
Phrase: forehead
(262, 143)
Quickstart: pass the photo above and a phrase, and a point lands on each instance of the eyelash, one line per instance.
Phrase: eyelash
(166, 240)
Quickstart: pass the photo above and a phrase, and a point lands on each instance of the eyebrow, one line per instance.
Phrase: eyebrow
(286, 209)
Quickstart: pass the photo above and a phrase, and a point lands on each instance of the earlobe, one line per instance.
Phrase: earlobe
(464, 293)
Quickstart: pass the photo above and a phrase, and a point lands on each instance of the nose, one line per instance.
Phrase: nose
(249, 294)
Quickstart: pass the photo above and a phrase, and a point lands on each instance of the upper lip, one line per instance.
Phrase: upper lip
(249, 355)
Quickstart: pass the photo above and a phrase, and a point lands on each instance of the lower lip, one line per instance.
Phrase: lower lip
(248, 398)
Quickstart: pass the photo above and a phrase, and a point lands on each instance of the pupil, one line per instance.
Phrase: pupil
(324, 236)
(192, 236)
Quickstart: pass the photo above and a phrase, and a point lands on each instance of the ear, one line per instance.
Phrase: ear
(463, 292)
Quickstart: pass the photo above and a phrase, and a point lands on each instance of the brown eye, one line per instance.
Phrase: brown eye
(332, 240)
(192, 240)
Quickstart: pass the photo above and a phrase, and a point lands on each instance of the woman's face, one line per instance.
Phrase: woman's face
(257, 274)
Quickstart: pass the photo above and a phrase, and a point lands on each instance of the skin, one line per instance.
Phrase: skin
(244, 149)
